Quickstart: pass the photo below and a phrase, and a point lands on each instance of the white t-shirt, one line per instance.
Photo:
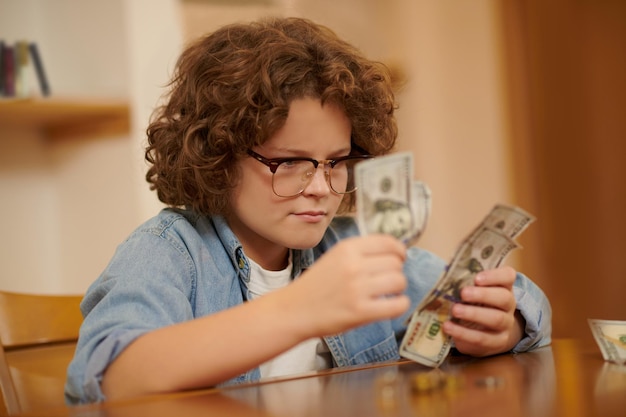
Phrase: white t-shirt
(310, 355)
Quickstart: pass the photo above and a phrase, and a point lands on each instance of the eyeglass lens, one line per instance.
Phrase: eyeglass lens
(292, 177)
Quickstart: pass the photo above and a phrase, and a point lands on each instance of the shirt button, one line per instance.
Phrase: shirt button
(243, 265)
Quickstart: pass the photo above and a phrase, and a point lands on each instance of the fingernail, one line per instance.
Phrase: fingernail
(458, 309)
(468, 292)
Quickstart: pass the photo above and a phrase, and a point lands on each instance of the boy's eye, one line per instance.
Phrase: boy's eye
(288, 164)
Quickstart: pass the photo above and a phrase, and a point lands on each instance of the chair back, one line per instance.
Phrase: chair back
(38, 335)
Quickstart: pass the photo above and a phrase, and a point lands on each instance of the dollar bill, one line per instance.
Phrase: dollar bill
(485, 248)
(420, 206)
(389, 200)
(424, 341)
(509, 220)
(610, 335)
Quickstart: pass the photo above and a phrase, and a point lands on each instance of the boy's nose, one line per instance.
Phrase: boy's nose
(320, 181)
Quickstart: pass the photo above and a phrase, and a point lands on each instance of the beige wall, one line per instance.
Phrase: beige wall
(70, 204)
(67, 204)
(451, 114)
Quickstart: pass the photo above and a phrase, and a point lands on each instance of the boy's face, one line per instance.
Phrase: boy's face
(266, 224)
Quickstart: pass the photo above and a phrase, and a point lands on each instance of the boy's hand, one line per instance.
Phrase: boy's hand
(358, 281)
(489, 323)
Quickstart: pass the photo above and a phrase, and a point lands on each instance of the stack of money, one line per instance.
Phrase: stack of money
(485, 248)
(610, 335)
(389, 200)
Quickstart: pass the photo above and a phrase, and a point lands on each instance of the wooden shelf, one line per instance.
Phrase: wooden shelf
(66, 118)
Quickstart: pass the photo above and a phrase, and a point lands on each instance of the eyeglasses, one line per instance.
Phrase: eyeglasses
(290, 176)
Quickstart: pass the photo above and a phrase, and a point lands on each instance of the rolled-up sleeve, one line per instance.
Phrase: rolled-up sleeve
(535, 308)
(148, 284)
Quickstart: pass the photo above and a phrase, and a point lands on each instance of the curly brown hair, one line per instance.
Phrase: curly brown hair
(231, 91)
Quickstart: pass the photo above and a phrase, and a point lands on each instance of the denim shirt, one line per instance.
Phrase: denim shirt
(179, 266)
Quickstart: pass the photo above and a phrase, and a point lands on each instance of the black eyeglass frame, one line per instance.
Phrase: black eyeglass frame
(273, 163)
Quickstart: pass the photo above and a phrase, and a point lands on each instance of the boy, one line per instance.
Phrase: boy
(250, 273)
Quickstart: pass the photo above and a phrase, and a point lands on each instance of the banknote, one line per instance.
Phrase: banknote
(509, 220)
(421, 206)
(485, 248)
(610, 335)
(389, 200)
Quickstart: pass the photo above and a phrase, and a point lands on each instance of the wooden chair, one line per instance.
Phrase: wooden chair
(38, 335)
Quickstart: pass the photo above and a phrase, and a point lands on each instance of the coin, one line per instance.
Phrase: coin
(425, 382)
(489, 382)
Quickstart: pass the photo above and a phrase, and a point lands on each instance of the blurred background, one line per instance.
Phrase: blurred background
(515, 102)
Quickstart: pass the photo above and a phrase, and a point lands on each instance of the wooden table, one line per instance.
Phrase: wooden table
(566, 379)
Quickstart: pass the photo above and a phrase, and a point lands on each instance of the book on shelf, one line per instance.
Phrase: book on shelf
(22, 65)
(8, 70)
(20, 62)
(1, 68)
(41, 73)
